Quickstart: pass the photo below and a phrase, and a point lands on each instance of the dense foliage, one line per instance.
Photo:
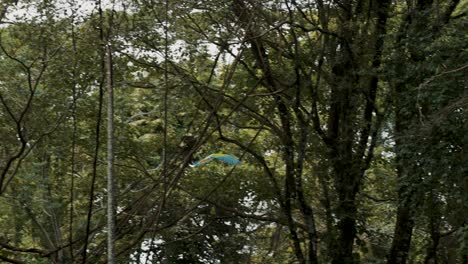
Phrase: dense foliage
(349, 117)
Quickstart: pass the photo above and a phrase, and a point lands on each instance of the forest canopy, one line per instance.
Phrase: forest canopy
(343, 127)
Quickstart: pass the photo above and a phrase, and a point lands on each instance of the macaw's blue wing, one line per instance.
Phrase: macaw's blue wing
(218, 156)
(226, 158)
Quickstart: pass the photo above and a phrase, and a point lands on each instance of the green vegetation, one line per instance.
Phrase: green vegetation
(349, 118)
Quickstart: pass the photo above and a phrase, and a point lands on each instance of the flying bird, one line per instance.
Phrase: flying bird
(217, 156)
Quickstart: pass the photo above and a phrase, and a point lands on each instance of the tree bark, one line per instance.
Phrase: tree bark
(111, 186)
(340, 128)
(402, 235)
(404, 222)
(416, 20)
(349, 159)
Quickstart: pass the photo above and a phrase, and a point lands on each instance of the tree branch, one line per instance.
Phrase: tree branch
(4, 245)
(9, 260)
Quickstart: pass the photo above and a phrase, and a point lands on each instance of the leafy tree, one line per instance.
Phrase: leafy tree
(415, 136)
(349, 118)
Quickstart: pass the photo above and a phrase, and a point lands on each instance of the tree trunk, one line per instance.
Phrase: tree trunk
(402, 236)
(404, 116)
(404, 222)
(347, 213)
(111, 188)
(349, 157)
(340, 123)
